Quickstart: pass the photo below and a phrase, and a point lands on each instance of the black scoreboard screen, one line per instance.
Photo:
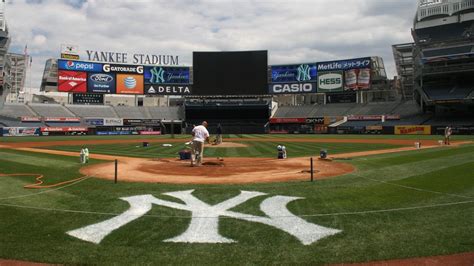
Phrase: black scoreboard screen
(230, 73)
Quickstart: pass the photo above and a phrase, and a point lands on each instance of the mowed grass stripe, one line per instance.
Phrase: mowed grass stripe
(412, 165)
(244, 136)
(260, 149)
(365, 237)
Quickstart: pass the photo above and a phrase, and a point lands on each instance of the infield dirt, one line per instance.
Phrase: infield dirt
(217, 170)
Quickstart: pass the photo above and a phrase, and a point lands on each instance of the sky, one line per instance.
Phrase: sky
(293, 31)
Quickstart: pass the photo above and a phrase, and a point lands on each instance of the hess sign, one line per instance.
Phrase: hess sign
(330, 82)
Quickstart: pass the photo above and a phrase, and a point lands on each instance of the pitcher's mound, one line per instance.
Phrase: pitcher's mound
(219, 163)
(217, 170)
(228, 145)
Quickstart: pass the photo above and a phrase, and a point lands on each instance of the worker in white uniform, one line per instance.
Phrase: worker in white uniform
(200, 135)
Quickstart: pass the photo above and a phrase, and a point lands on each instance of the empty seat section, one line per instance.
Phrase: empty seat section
(92, 111)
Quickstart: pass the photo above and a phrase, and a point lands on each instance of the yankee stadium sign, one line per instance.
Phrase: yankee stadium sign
(204, 224)
(136, 59)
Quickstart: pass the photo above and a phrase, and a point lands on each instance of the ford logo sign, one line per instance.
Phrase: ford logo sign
(102, 78)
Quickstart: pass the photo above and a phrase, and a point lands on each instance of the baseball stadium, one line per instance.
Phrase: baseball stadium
(314, 163)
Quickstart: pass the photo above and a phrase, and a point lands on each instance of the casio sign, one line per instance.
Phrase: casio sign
(293, 88)
(102, 78)
(330, 81)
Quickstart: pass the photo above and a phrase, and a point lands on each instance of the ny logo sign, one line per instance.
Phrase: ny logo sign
(157, 75)
(204, 226)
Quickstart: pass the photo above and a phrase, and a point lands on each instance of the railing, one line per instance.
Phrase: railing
(428, 8)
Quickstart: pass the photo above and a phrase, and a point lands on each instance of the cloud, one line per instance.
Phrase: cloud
(292, 31)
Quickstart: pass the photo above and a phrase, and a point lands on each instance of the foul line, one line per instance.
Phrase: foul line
(189, 217)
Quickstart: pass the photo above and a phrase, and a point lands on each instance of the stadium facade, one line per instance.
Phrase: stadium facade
(5, 84)
(240, 91)
(438, 67)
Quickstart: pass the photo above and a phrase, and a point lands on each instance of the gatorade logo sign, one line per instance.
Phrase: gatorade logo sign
(330, 82)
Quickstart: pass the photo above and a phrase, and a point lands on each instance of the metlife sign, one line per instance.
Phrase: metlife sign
(345, 64)
(292, 88)
(167, 75)
(330, 82)
(79, 66)
(294, 73)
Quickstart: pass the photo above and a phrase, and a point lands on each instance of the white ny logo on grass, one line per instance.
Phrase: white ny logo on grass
(205, 218)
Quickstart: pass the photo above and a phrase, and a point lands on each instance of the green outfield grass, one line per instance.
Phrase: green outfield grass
(254, 149)
(33, 226)
(244, 136)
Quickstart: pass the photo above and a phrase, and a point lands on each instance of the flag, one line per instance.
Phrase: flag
(31, 60)
(26, 49)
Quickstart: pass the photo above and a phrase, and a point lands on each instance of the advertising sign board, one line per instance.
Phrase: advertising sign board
(294, 73)
(30, 119)
(113, 121)
(141, 122)
(101, 82)
(292, 88)
(69, 51)
(95, 121)
(62, 119)
(20, 131)
(129, 84)
(168, 89)
(131, 69)
(357, 63)
(315, 120)
(167, 75)
(73, 65)
(287, 120)
(413, 130)
(72, 81)
(329, 82)
(64, 129)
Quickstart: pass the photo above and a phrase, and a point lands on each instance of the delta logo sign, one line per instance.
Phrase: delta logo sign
(79, 66)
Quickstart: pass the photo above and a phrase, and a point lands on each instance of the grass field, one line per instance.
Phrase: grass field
(253, 149)
(400, 205)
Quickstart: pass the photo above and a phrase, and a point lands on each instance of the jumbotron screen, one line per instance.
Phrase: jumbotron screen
(230, 73)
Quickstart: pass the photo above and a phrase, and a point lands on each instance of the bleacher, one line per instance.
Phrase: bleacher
(16, 110)
(453, 92)
(166, 113)
(449, 51)
(51, 110)
(94, 111)
(443, 32)
(402, 108)
(130, 112)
